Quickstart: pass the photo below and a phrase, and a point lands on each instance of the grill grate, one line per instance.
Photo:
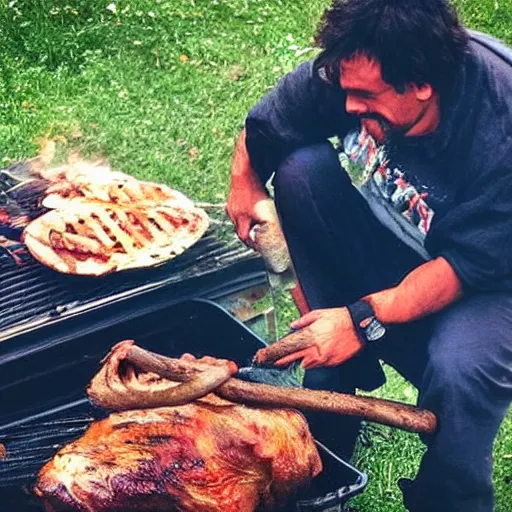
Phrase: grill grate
(29, 446)
(32, 291)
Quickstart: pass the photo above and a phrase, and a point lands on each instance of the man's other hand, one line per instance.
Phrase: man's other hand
(245, 208)
(333, 339)
(247, 196)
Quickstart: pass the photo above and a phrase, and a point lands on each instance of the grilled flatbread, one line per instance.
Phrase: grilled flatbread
(94, 238)
(81, 170)
(114, 190)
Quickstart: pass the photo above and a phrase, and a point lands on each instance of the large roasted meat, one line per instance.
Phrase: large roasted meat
(207, 456)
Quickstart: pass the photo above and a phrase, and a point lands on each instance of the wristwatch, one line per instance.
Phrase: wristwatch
(368, 327)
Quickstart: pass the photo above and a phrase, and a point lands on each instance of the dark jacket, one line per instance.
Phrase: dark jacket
(465, 165)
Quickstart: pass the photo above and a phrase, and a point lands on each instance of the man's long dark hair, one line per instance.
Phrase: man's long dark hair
(416, 41)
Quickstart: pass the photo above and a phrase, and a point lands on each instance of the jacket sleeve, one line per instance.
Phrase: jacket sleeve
(475, 237)
(301, 109)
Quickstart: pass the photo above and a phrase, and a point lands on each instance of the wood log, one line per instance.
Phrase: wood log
(386, 412)
(293, 342)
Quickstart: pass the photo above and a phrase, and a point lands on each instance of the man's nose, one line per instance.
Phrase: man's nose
(355, 106)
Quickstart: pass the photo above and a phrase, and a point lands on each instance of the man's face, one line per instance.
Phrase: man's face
(383, 111)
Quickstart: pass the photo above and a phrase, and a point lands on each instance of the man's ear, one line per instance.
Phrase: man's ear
(423, 92)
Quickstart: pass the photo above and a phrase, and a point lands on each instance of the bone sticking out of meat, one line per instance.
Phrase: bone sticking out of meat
(387, 412)
(207, 456)
(120, 387)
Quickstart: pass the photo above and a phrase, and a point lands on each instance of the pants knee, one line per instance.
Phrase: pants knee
(307, 167)
(306, 175)
(465, 375)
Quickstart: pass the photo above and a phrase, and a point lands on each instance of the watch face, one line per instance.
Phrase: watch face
(375, 330)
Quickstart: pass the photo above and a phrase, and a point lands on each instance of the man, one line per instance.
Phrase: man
(415, 267)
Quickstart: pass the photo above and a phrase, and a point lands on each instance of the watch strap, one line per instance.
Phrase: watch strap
(367, 327)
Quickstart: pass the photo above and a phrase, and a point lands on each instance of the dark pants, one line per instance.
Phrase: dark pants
(460, 359)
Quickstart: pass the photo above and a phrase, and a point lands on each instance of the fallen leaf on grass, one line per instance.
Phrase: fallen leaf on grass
(235, 73)
(27, 104)
(193, 153)
(75, 132)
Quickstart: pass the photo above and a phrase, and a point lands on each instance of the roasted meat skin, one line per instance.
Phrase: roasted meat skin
(206, 456)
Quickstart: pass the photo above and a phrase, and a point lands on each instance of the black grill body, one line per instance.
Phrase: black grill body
(55, 329)
(45, 403)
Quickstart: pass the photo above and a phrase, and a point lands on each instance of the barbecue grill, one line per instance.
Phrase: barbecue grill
(46, 406)
(55, 328)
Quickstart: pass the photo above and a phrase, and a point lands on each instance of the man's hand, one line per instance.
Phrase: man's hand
(244, 208)
(333, 338)
(247, 196)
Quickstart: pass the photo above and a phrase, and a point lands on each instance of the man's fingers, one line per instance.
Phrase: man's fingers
(309, 362)
(284, 361)
(229, 212)
(242, 223)
(305, 320)
(243, 228)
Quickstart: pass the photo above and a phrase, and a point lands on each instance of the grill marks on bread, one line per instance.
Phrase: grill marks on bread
(117, 230)
(103, 221)
(112, 237)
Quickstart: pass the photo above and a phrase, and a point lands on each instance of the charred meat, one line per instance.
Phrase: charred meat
(206, 456)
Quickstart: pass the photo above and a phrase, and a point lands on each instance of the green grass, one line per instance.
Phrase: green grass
(160, 88)
(396, 454)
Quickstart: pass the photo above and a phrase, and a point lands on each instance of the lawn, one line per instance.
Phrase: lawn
(161, 88)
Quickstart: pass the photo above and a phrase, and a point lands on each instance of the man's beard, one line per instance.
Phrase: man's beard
(390, 132)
